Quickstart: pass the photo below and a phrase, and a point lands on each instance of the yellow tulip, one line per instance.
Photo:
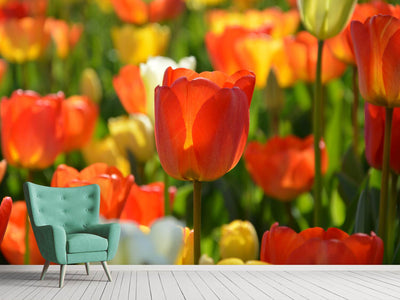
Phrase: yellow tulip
(106, 151)
(134, 134)
(90, 85)
(325, 18)
(239, 240)
(185, 257)
(136, 44)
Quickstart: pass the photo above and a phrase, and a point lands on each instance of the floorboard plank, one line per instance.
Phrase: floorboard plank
(187, 287)
(156, 288)
(96, 284)
(125, 286)
(203, 288)
(217, 287)
(293, 287)
(142, 286)
(170, 286)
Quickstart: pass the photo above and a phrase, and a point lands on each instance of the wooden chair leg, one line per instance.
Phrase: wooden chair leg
(45, 268)
(63, 268)
(105, 267)
(87, 268)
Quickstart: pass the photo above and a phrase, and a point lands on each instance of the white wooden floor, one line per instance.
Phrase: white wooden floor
(203, 282)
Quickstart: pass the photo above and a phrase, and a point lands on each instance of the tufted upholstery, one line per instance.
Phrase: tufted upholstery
(65, 222)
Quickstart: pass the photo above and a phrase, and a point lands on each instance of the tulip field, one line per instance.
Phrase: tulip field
(219, 131)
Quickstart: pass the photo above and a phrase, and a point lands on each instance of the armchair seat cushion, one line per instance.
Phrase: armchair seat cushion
(85, 242)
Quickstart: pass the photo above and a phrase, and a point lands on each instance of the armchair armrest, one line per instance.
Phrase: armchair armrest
(52, 241)
(110, 231)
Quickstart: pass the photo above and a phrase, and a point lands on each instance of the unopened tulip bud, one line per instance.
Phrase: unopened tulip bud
(325, 18)
(239, 239)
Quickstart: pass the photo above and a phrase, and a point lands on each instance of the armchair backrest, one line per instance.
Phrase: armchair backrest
(73, 208)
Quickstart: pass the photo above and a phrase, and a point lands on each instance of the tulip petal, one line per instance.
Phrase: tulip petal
(130, 89)
(367, 249)
(244, 80)
(322, 252)
(176, 110)
(171, 75)
(220, 132)
(13, 246)
(391, 69)
(5, 212)
(278, 243)
(144, 204)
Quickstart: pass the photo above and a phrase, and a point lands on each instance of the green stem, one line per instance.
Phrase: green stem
(197, 220)
(167, 210)
(27, 249)
(354, 111)
(317, 127)
(383, 205)
(391, 223)
(291, 221)
(27, 227)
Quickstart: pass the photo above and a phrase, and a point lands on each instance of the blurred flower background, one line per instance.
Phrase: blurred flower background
(78, 81)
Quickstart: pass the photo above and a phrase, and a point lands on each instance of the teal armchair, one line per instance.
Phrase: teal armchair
(66, 225)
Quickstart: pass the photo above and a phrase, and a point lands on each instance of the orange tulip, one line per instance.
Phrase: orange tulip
(64, 36)
(31, 129)
(130, 89)
(301, 53)
(114, 187)
(23, 39)
(342, 45)
(202, 122)
(80, 116)
(284, 167)
(282, 245)
(239, 48)
(140, 11)
(145, 203)
(5, 212)
(13, 246)
(376, 48)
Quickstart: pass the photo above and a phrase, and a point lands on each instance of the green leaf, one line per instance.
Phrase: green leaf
(367, 209)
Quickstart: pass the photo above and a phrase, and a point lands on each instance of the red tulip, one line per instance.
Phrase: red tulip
(114, 187)
(130, 89)
(202, 122)
(80, 116)
(342, 44)
(374, 134)
(145, 203)
(282, 245)
(284, 167)
(21, 8)
(376, 47)
(13, 246)
(5, 212)
(31, 129)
